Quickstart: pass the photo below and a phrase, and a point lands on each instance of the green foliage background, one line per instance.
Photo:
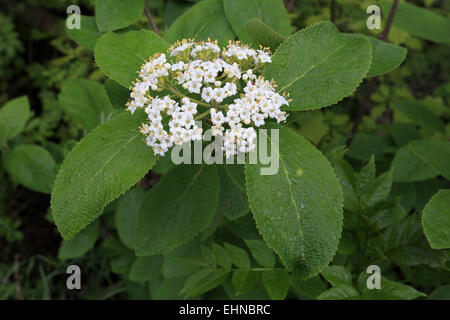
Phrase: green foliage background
(54, 90)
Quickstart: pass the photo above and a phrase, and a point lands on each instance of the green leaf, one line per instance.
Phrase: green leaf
(244, 281)
(406, 231)
(169, 289)
(407, 167)
(174, 266)
(435, 153)
(347, 244)
(32, 166)
(87, 35)
(87, 101)
(391, 290)
(177, 208)
(204, 20)
(298, 210)
(261, 252)
(146, 268)
(366, 177)
(118, 14)
(262, 34)
(238, 256)
(418, 113)
(385, 57)
(270, 12)
(233, 201)
(236, 172)
(308, 289)
(441, 293)
(80, 244)
(117, 94)
(443, 90)
(337, 276)
(222, 257)
(277, 283)
(380, 189)
(174, 9)
(126, 216)
(341, 292)
(319, 66)
(13, 117)
(346, 177)
(436, 220)
(120, 56)
(404, 133)
(365, 145)
(419, 22)
(102, 166)
(203, 280)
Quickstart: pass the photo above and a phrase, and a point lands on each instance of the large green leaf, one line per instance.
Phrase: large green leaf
(264, 35)
(146, 268)
(435, 153)
(436, 220)
(32, 166)
(318, 66)
(204, 20)
(298, 210)
(418, 113)
(233, 201)
(113, 15)
(271, 12)
(420, 22)
(117, 94)
(80, 244)
(87, 101)
(127, 211)
(385, 57)
(102, 166)
(87, 35)
(13, 117)
(176, 209)
(120, 56)
(409, 167)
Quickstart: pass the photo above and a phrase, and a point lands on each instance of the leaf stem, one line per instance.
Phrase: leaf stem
(365, 106)
(150, 19)
(202, 115)
(181, 95)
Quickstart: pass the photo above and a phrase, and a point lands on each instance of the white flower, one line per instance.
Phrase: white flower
(211, 76)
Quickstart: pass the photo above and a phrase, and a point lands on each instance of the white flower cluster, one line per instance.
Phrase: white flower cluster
(221, 83)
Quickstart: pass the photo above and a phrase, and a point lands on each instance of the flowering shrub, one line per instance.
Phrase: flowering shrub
(356, 188)
(212, 77)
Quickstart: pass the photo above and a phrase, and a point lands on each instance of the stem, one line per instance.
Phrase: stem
(202, 115)
(181, 95)
(332, 10)
(365, 106)
(150, 19)
(290, 5)
(387, 28)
